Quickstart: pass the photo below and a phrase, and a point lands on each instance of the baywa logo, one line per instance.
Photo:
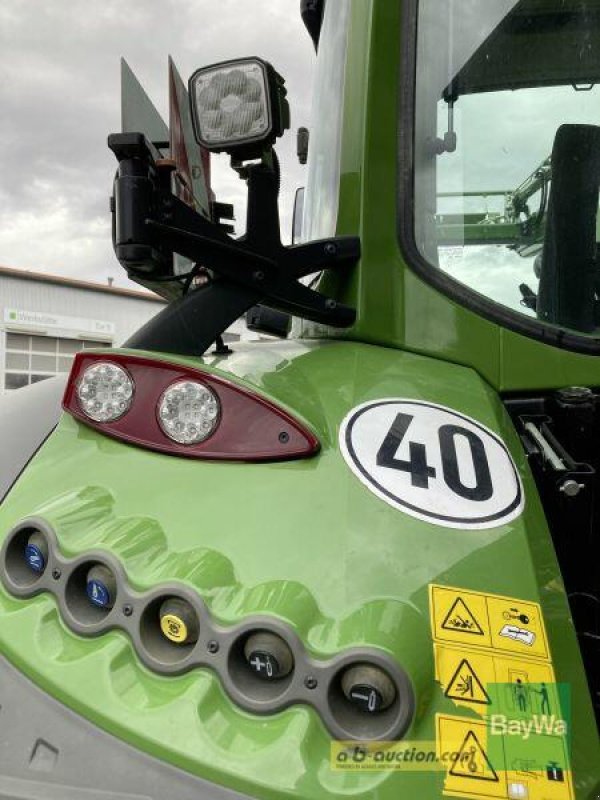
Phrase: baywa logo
(523, 709)
(542, 725)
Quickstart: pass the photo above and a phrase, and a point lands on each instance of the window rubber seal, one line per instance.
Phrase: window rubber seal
(434, 277)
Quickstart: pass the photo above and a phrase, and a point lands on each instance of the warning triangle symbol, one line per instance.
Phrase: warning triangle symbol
(460, 619)
(472, 761)
(465, 685)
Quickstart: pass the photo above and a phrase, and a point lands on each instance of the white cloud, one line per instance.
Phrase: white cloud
(60, 98)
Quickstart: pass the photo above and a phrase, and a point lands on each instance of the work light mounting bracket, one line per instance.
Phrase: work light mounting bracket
(256, 268)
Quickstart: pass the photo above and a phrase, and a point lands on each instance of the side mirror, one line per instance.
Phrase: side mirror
(569, 269)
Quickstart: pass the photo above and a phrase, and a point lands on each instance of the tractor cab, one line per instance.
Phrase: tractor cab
(506, 155)
(355, 557)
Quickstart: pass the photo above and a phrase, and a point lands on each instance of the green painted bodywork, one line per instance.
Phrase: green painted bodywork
(396, 308)
(304, 540)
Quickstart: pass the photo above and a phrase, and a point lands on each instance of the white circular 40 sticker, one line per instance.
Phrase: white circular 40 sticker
(432, 463)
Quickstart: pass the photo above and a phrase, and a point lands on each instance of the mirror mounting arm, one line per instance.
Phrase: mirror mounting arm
(258, 263)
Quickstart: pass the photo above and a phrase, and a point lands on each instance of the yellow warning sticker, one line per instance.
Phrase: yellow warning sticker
(529, 689)
(465, 676)
(532, 777)
(487, 621)
(487, 682)
(484, 764)
(517, 627)
(492, 657)
(459, 616)
(471, 772)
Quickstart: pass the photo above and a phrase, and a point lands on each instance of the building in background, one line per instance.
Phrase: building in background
(45, 320)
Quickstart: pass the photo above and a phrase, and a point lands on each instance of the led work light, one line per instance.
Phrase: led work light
(239, 107)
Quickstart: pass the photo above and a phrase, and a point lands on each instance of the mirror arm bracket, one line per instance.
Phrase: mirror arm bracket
(264, 269)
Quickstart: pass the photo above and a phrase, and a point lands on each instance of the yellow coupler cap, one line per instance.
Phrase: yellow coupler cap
(178, 621)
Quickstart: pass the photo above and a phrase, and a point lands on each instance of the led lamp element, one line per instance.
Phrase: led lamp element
(188, 412)
(105, 392)
(237, 104)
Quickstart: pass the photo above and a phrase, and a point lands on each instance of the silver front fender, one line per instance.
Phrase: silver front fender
(27, 417)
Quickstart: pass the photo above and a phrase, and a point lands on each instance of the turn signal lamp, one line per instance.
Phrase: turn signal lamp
(238, 107)
(181, 410)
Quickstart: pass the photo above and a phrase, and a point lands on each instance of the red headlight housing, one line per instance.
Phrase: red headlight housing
(239, 425)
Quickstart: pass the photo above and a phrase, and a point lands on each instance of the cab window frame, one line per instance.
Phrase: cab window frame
(406, 176)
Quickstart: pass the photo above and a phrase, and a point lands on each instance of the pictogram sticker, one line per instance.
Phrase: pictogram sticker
(472, 761)
(491, 683)
(481, 766)
(460, 618)
(540, 764)
(517, 627)
(492, 657)
(471, 772)
(466, 686)
(492, 622)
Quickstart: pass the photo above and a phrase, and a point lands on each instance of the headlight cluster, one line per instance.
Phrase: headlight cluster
(361, 693)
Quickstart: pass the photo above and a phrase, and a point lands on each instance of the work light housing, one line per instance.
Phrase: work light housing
(238, 107)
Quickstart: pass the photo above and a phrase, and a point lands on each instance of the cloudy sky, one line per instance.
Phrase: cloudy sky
(60, 98)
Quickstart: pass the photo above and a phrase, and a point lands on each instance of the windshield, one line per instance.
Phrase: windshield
(320, 203)
(495, 81)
